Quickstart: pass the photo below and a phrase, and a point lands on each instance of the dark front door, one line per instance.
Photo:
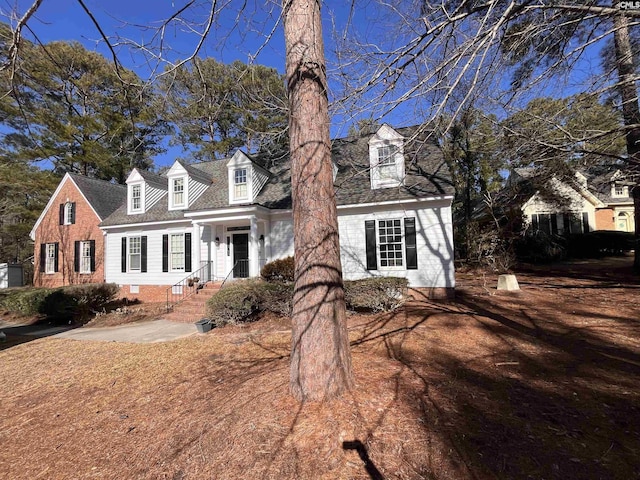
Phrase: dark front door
(241, 255)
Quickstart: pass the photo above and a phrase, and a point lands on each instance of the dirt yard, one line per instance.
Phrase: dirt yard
(540, 383)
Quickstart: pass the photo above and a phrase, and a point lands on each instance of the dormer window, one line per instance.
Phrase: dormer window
(245, 178)
(136, 198)
(387, 162)
(240, 184)
(178, 192)
(386, 158)
(620, 191)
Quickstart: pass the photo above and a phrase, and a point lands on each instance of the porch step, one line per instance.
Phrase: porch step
(193, 308)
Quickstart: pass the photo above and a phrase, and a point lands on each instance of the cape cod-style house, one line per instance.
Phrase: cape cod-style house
(227, 218)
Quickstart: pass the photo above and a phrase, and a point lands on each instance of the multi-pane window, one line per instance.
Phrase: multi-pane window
(69, 213)
(177, 252)
(178, 192)
(135, 253)
(136, 198)
(85, 257)
(387, 161)
(619, 191)
(240, 183)
(390, 240)
(50, 258)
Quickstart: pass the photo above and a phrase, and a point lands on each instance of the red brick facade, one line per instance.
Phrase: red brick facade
(146, 293)
(63, 239)
(604, 219)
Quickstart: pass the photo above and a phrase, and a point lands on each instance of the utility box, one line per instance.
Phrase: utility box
(11, 275)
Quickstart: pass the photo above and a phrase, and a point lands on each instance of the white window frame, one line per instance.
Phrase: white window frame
(181, 192)
(241, 174)
(623, 192)
(136, 188)
(68, 213)
(387, 163)
(395, 223)
(177, 258)
(134, 249)
(85, 257)
(50, 258)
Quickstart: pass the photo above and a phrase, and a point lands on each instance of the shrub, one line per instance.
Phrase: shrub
(599, 243)
(281, 270)
(85, 299)
(377, 294)
(69, 303)
(541, 247)
(242, 301)
(26, 301)
(236, 302)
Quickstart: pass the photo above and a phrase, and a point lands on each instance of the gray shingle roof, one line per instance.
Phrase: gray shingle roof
(105, 197)
(600, 178)
(426, 175)
(154, 179)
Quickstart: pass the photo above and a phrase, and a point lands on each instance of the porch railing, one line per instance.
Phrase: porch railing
(240, 269)
(189, 284)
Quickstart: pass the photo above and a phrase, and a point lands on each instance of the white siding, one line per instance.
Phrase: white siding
(281, 238)
(154, 274)
(220, 252)
(434, 244)
(571, 202)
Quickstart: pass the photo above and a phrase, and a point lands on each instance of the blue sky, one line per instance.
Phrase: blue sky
(236, 36)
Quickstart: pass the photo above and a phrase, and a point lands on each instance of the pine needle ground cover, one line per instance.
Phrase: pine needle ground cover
(540, 383)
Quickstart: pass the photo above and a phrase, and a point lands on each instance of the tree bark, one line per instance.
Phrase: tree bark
(631, 115)
(320, 357)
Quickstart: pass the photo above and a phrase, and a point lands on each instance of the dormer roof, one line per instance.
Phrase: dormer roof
(426, 175)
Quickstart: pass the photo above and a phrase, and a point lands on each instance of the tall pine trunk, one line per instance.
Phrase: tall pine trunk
(320, 357)
(631, 115)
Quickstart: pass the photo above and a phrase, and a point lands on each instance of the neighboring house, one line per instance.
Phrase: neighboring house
(68, 244)
(598, 198)
(227, 218)
(11, 275)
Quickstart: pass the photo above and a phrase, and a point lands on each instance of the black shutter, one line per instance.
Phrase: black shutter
(61, 215)
(534, 222)
(123, 255)
(56, 252)
(370, 235)
(554, 223)
(187, 252)
(72, 220)
(43, 255)
(410, 243)
(567, 223)
(76, 256)
(585, 222)
(143, 254)
(92, 252)
(165, 253)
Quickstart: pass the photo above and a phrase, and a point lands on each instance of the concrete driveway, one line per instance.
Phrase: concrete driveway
(143, 332)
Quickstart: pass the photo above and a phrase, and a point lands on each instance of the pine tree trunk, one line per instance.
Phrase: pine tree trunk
(320, 357)
(631, 115)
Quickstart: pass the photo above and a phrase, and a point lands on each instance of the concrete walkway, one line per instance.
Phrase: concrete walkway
(143, 332)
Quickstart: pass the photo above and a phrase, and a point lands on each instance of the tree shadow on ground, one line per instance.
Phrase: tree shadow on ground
(515, 400)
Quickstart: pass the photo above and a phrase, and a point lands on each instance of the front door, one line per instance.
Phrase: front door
(240, 255)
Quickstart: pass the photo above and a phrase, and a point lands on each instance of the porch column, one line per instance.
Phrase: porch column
(196, 247)
(267, 241)
(254, 249)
